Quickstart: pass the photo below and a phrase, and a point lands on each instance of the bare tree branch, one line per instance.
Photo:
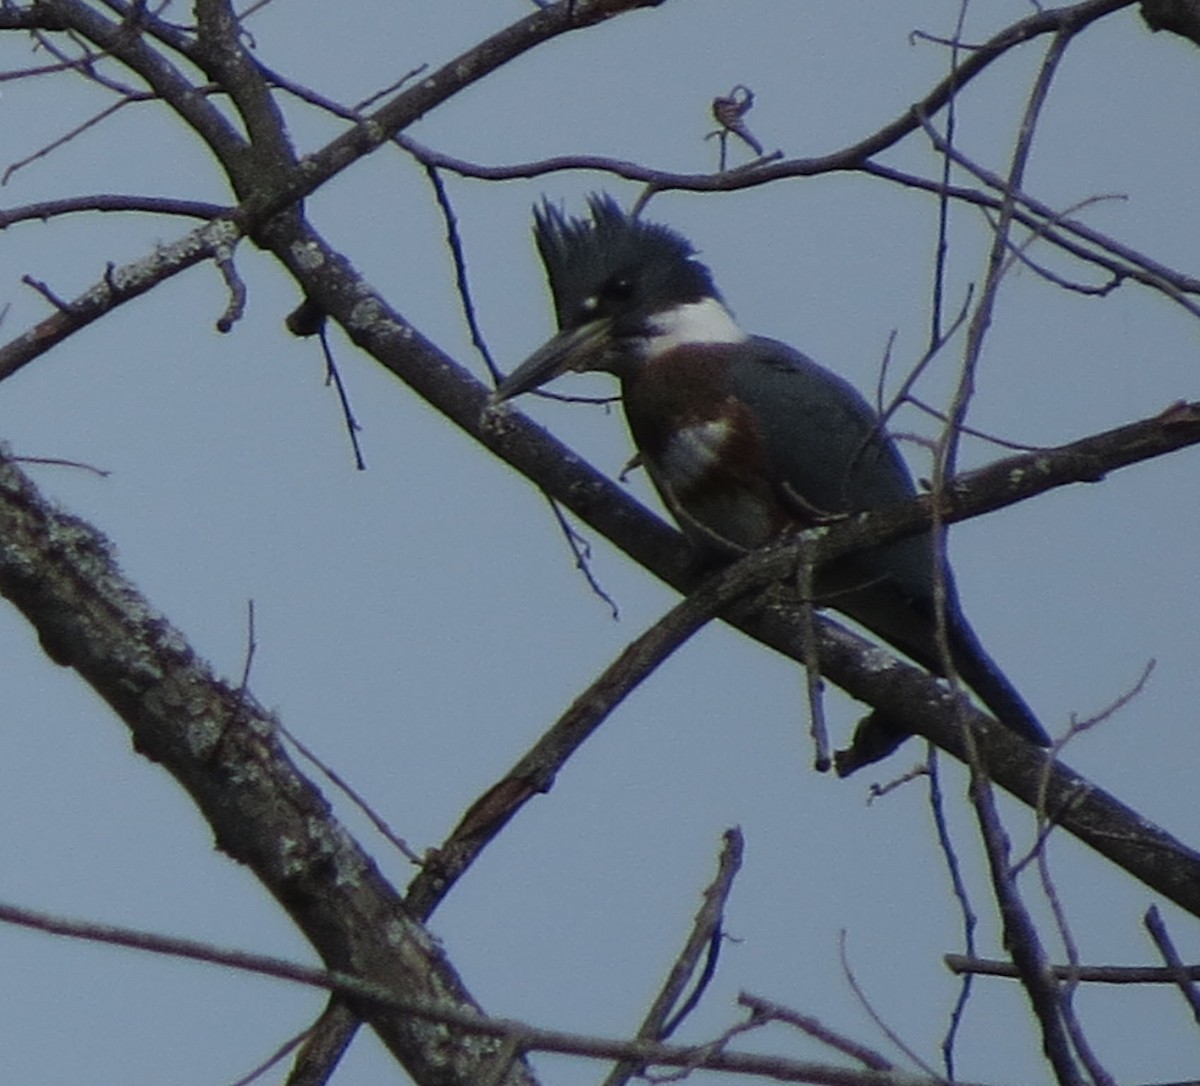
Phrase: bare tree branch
(707, 932)
(1021, 938)
(165, 79)
(905, 694)
(118, 286)
(223, 748)
(962, 965)
(398, 1001)
(45, 210)
(768, 1011)
(1179, 972)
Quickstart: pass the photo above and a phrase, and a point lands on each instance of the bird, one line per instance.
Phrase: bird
(746, 439)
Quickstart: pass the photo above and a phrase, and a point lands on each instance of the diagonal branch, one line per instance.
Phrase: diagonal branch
(1004, 482)
(535, 772)
(214, 241)
(221, 54)
(273, 189)
(224, 749)
(164, 78)
(662, 1019)
(1065, 20)
(1128, 261)
(431, 91)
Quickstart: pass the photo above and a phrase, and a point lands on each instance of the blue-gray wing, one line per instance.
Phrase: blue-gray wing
(827, 451)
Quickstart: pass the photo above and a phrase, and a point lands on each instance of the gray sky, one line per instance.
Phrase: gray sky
(421, 623)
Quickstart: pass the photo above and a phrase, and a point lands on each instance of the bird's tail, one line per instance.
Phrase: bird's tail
(981, 673)
(910, 624)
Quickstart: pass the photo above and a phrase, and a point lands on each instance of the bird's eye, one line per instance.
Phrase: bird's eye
(618, 289)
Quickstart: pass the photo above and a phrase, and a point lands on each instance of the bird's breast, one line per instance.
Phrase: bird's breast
(703, 451)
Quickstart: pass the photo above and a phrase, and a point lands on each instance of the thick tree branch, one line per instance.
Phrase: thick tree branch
(535, 771)
(30, 17)
(127, 46)
(220, 52)
(266, 172)
(433, 89)
(860, 668)
(224, 749)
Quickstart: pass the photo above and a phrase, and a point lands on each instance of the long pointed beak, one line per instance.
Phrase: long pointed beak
(572, 349)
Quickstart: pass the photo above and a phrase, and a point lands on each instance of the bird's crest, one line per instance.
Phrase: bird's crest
(581, 256)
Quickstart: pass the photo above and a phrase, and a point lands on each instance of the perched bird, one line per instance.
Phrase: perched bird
(746, 438)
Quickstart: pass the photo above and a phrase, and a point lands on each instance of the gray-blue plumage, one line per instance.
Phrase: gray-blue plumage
(746, 438)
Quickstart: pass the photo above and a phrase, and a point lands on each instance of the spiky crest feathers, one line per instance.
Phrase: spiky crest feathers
(585, 257)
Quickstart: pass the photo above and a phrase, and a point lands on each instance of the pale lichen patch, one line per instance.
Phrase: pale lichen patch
(308, 255)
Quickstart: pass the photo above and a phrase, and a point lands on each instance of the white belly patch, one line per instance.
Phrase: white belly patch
(692, 451)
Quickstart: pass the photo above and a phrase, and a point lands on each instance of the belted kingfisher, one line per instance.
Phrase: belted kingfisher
(744, 437)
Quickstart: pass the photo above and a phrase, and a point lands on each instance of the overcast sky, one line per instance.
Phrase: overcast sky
(420, 623)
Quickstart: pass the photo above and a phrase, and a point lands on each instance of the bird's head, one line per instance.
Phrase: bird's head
(624, 291)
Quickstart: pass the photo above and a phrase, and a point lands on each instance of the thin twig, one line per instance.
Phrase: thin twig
(1021, 937)
(45, 210)
(970, 918)
(814, 685)
(86, 64)
(1179, 973)
(942, 248)
(983, 435)
(59, 462)
(333, 376)
(1128, 263)
(660, 1023)
(276, 1057)
(767, 1011)
(461, 1018)
(881, 790)
(343, 786)
(1048, 820)
(463, 283)
(904, 393)
(1096, 1071)
(1087, 974)
(874, 1015)
(582, 550)
(251, 649)
(223, 258)
(361, 107)
(981, 320)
